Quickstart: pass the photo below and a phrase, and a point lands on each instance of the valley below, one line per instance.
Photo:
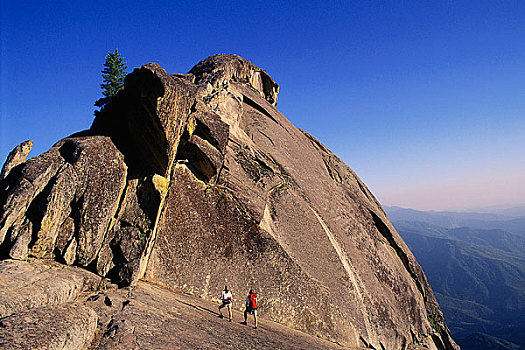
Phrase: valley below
(477, 272)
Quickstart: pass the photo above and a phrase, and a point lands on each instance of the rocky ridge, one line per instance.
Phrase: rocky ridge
(196, 180)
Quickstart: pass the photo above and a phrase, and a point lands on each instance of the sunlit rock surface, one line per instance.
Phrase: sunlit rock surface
(193, 181)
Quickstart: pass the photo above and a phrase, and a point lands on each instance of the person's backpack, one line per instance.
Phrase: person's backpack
(253, 301)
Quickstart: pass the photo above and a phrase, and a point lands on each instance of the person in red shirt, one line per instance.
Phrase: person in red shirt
(251, 307)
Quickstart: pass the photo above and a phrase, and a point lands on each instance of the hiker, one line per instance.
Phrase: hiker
(227, 299)
(251, 307)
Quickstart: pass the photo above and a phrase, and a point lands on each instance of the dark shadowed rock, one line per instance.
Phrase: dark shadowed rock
(126, 240)
(195, 181)
(146, 119)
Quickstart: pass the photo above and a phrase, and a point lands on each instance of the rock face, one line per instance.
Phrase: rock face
(196, 180)
(62, 202)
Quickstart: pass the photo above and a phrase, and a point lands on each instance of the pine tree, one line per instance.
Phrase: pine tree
(113, 73)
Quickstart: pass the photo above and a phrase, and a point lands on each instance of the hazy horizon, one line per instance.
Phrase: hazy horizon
(424, 101)
(475, 194)
(479, 210)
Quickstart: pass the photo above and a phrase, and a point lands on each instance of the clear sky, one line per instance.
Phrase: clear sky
(425, 100)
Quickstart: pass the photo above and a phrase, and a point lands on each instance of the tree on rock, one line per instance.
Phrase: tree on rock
(113, 73)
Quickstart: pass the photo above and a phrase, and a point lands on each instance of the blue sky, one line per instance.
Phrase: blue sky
(423, 99)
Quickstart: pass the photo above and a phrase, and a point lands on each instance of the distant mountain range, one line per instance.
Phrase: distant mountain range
(476, 269)
(514, 211)
(511, 220)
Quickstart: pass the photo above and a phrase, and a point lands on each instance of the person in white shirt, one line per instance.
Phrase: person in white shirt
(227, 300)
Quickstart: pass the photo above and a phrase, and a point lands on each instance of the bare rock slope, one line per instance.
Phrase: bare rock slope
(196, 180)
(98, 316)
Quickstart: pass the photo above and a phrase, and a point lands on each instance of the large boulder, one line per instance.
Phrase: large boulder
(24, 286)
(196, 180)
(69, 326)
(285, 216)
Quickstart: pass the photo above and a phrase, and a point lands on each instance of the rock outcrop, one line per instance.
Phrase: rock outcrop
(16, 157)
(196, 180)
(73, 328)
(39, 306)
(25, 286)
